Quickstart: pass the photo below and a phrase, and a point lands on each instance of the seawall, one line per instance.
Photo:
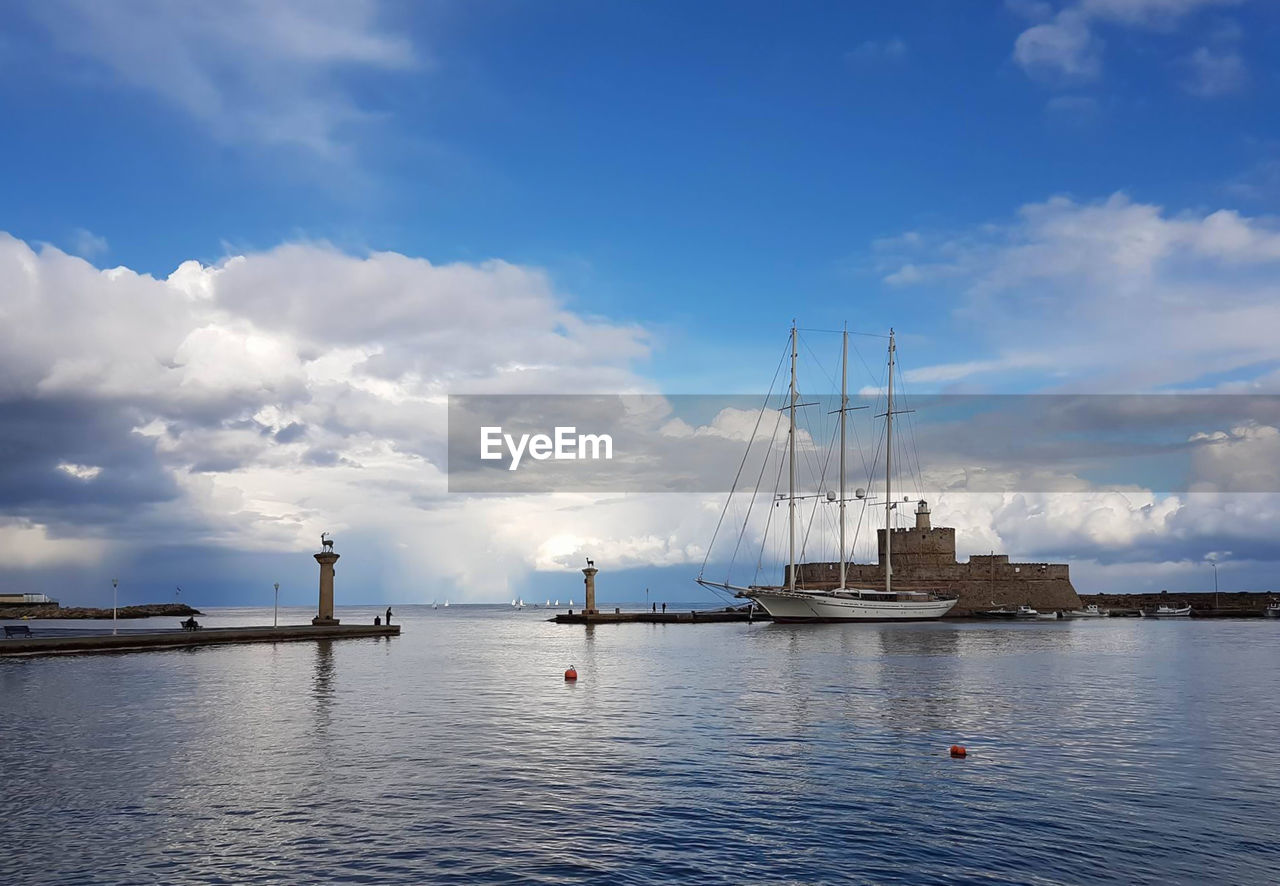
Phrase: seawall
(134, 641)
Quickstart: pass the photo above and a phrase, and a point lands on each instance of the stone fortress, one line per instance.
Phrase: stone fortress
(924, 559)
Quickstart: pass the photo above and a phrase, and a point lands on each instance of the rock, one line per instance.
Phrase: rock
(149, 610)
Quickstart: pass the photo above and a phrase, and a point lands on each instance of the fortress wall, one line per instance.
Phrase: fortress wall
(981, 583)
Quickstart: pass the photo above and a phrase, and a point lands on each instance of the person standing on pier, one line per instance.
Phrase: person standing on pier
(664, 608)
(388, 615)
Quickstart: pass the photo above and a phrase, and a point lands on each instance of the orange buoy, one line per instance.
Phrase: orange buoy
(959, 750)
(571, 674)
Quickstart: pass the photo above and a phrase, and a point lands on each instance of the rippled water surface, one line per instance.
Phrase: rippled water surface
(1119, 750)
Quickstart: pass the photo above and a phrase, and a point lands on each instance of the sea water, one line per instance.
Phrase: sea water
(1100, 751)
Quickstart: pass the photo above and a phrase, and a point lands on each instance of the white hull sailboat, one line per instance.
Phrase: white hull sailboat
(796, 604)
(848, 605)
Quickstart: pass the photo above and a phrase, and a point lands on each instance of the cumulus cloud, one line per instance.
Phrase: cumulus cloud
(245, 406)
(251, 72)
(254, 402)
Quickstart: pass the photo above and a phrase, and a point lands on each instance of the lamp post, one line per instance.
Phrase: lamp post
(115, 602)
(275, 621)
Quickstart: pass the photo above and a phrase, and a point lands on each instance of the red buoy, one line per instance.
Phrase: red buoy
(571, 674)
(959, 750)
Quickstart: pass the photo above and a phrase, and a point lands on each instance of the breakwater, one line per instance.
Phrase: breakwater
(53, 610)
(1204, 604)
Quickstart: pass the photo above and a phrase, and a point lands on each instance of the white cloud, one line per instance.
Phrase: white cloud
(1066, 48)
(87, 244)
(251, 72)
(248, 405)
(80, 472)
(1213, 73)
(272, 395)
(1116, 295)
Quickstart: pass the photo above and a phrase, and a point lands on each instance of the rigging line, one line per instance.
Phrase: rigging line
(764, 537)
(842, 331)
(858, 528)
(822, 476)
(742, 464)
(913, 471)
(871, 375)
(818, 362)
(915, 446)
(764, 463)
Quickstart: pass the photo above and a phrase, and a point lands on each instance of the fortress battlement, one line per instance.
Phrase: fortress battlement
(924, 558)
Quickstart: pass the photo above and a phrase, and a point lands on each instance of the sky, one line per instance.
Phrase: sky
(247, 250)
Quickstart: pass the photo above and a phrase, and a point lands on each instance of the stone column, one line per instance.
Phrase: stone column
(326, 561)
(590, 581)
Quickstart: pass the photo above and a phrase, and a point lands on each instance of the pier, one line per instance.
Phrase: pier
(68, 641)
(670, 617)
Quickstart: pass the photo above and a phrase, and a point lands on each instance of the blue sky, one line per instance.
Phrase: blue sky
(990, 178)
(666, 162)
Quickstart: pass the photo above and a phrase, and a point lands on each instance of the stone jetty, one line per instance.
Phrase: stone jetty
(135, 641)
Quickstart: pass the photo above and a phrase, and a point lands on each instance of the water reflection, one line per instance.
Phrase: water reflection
(322, 685)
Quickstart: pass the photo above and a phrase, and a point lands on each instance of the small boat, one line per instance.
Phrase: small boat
(1025, 611)
(1002, 612)
(1164, 611)
(1048, 616)
(1272, 611)
(1090, 611)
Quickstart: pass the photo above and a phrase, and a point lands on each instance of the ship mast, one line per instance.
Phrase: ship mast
(791, 478)
(844, 408)
(888, 475)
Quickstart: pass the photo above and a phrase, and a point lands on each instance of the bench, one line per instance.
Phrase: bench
(17, 631)
(190, 625)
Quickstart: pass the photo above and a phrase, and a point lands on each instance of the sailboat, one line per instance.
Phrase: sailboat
(791, 603)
